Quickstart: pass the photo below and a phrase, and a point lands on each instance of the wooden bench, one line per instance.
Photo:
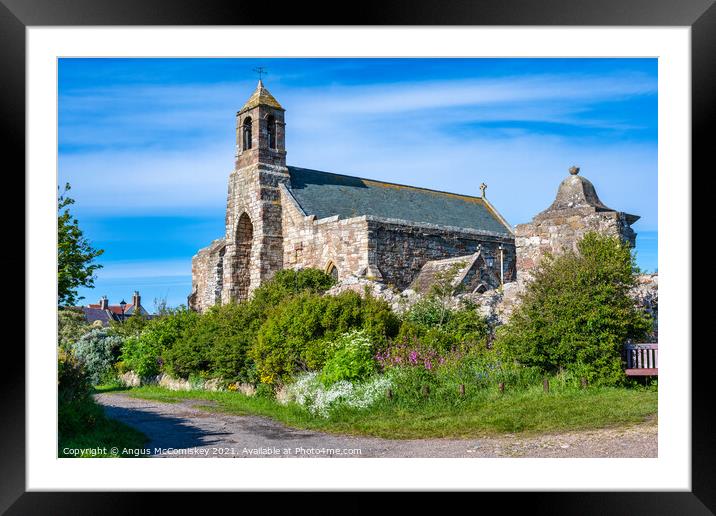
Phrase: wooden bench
(642, 359)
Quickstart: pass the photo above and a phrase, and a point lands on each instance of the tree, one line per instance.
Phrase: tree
(577, 314)
(75, 255)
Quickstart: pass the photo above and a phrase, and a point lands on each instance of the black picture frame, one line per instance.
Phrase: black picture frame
(17, 15)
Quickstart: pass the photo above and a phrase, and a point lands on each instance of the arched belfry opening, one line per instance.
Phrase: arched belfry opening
(244, 241)
(246, 133)
(271, 131)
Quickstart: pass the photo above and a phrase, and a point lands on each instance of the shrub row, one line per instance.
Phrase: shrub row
(573, 319)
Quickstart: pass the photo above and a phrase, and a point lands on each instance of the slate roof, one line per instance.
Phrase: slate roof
(95, 314)
(325, 194)
(427, 276)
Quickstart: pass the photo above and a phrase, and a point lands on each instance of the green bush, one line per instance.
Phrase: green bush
(351, 358)
(190, 354)
(287, 283)
(444, 329)
(577, 314)
(143, 353)
(73, 383)
(217, 344)
(295, 332)
(132, 326)
(234, 328)
(77, 416)
(428, 312)
(71, 325)
(98, 350)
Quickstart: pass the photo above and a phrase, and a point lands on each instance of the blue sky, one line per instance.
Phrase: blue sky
(148, 144)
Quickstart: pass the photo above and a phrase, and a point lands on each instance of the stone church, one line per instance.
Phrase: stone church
(280, 216)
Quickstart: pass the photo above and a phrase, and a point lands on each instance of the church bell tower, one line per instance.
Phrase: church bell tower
(254, 237)
(260, 131)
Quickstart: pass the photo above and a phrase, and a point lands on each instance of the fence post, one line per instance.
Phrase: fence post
(584, 383)
(462, 389)
(389, 394)
(501, 386)
(545, 385)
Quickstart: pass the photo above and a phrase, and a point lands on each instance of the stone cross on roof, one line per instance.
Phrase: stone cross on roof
(483, 187)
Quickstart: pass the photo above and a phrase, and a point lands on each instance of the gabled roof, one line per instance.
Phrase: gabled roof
(129, 310)
(115, 309)
(325, 194)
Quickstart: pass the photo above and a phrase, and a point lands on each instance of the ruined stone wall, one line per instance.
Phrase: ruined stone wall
(254, 243)
(399, 250)
(207, 276)
(558, 231)
(308, 242)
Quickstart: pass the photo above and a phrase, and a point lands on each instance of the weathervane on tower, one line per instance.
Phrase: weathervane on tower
(261, 71)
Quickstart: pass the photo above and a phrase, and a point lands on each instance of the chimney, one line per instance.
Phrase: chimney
(104, 303)
(136, 298)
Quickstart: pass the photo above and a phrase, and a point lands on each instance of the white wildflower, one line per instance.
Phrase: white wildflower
(309, 392)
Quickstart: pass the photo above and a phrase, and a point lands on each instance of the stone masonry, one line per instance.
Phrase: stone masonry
(364, 231)
(575, 211)
(333, 222)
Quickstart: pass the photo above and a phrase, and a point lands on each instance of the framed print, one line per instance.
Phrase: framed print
(460, 117)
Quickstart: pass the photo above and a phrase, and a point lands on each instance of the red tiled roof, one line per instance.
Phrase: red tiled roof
(115, 309)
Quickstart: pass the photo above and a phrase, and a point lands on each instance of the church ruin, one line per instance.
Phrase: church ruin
(286, 217)
(280, 217)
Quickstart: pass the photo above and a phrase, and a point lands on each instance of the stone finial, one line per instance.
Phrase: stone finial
(574, 170)
(483, 187)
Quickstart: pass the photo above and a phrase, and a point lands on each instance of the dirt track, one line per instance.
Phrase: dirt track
(184, 430)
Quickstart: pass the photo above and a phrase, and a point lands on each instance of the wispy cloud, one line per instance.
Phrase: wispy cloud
(148, 181)
(134, 149)
(414, 96)
(175, 268)
(357, 133)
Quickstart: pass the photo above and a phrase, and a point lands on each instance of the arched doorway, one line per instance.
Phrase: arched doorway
(332, 270)
(244, 240)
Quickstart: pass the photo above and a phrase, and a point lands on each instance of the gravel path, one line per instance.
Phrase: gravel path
(183, 429)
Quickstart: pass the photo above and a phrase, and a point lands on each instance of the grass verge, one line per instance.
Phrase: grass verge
(84, 431)
(482, 413)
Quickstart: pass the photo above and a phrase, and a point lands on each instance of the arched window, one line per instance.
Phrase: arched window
(271, 130)
(332, 270)
(246, 130)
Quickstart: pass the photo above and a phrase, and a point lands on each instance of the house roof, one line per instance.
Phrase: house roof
(325, 194)
(95, 314)
(115, 309)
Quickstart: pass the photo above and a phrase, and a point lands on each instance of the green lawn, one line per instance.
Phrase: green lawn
(84, 431)
(529, 411)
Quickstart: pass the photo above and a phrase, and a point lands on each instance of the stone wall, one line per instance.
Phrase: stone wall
(308, 242)
(575, 211)
(207, 276)
(254, 246)
(561, 231)
(399, 251)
